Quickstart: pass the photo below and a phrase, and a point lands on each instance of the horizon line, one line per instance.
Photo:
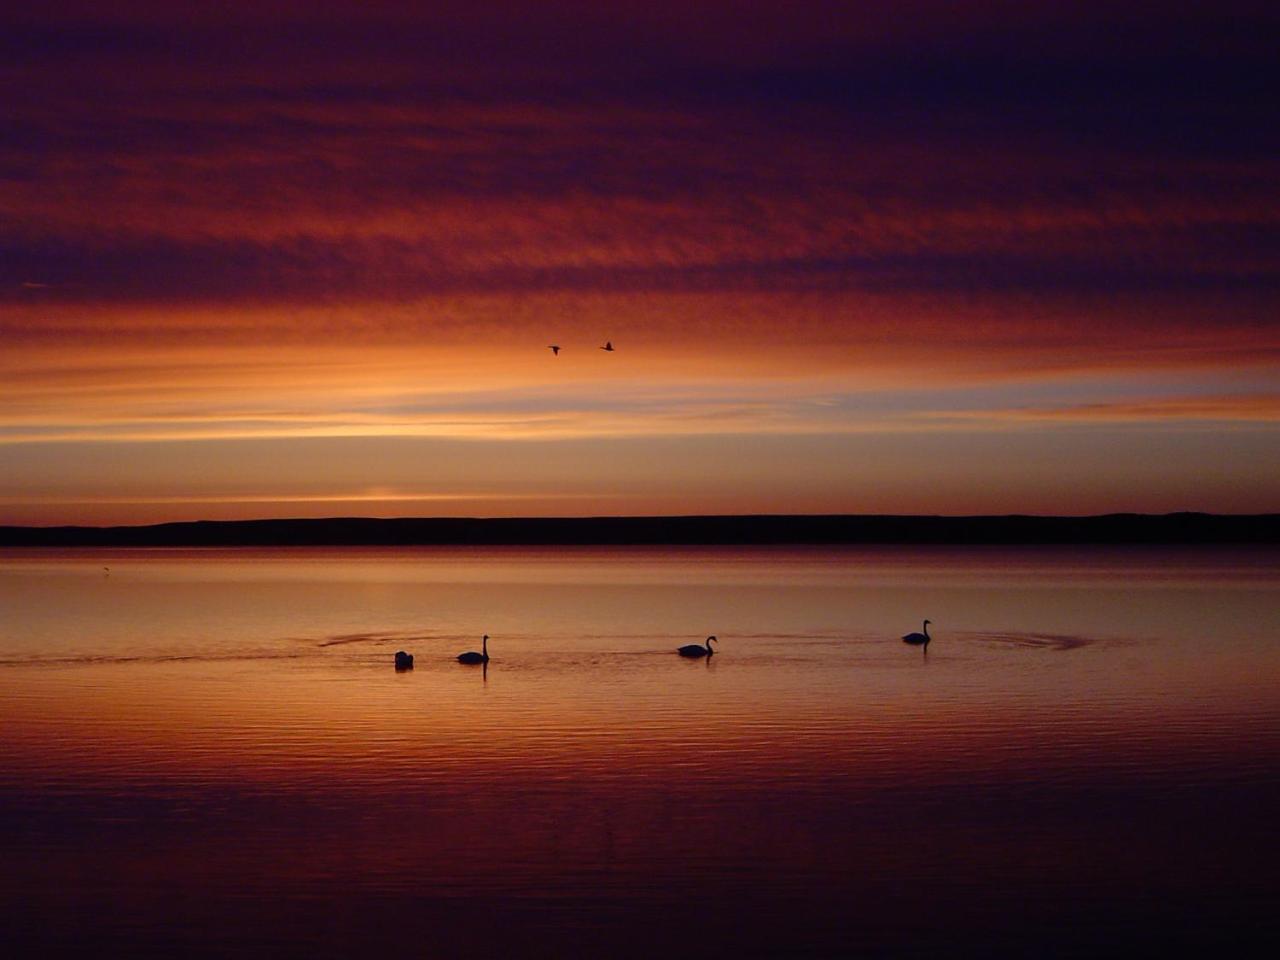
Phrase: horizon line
(670, 530)
(637, 517)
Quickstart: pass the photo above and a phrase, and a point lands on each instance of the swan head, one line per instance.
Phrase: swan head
(709, 639)
(927, 622)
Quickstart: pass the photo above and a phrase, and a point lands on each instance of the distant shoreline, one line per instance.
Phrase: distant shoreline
(1123, 528)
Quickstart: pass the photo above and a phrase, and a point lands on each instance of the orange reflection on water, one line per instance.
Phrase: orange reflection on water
(219, 727)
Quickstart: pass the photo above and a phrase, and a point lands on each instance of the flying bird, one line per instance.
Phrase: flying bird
(608, 346)
(554, 348)
(472, 657)
(695, 650)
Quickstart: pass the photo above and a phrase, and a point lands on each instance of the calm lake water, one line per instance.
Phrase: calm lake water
(209, 752)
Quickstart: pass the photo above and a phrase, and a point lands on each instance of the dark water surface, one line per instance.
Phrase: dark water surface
(209, 753)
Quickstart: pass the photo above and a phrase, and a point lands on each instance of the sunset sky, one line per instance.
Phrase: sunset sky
(306, 259)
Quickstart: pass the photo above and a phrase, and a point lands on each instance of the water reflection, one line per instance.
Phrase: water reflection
(210, 752)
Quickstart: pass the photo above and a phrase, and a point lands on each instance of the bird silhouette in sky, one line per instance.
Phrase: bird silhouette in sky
(555, 349)
(608, 346)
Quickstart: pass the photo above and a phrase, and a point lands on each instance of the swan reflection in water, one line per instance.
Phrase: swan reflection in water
(920, 639)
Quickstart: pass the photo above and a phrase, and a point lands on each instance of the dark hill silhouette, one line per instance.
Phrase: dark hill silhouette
(1174, 528)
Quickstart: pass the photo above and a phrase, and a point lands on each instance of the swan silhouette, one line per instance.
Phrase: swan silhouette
(404, 661)
(554, 348)
(608, 346)
(472, 657)
(918, 639)
(695, 650)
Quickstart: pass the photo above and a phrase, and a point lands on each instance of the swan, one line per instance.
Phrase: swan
(608, 346)
(916, 639)
(554, 348)
(696, 649)
(472, 657)
(404, 661)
